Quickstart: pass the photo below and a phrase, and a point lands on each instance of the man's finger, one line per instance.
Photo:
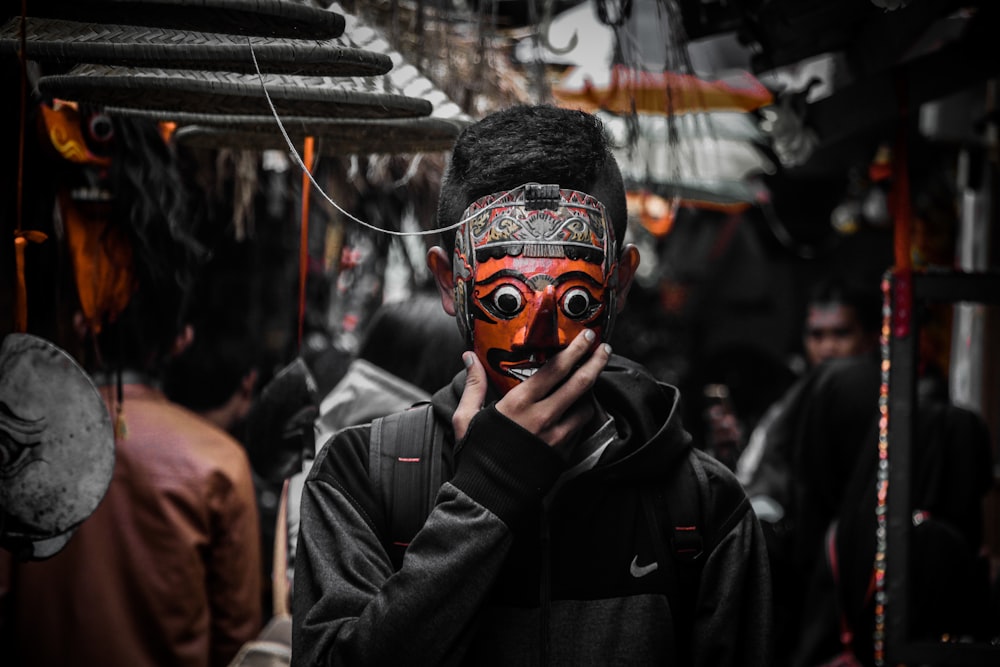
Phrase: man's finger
(580, 380)
(560, 366)
(473, 395)
(586, 374)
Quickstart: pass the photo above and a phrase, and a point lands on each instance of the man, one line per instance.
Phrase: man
(842, 321)
(548, 541)
(798, 461)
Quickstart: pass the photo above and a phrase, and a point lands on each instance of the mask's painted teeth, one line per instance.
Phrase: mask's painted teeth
(90, 194)
(522, 373)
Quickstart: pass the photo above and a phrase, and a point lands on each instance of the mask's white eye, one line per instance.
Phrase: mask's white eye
(576, 303)
(507, 300)
(100, 127)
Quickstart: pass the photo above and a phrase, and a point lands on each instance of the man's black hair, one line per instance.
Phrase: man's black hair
(154, 207)
(211, 370)
(523, 144)
(851, 293)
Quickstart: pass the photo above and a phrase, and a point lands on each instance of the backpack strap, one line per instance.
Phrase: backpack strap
(680, 546)
(404, 465)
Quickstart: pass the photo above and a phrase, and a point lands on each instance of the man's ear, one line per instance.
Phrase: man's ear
(628, 263)
(440, 266)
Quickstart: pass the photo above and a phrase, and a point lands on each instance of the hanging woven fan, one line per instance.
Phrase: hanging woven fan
(58, 443)
(273, 18)
(58, 41)
(228, 93)
(347, 136)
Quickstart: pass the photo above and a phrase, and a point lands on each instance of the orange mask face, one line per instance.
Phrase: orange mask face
(533, 267)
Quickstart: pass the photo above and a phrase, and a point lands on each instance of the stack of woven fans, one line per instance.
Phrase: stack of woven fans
(205, 65)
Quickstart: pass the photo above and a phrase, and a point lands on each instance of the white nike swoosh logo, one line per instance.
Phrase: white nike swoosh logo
(639, 571)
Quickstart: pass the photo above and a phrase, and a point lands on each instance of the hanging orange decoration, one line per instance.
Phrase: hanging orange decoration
(101, 252)
(102, 263)
(21, 239)
(307, 153)
(630, 90)
(655, 213)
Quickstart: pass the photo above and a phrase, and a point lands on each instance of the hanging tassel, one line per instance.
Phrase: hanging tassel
(902, 222)
(21, 240)
(121, 430)
(304, 238)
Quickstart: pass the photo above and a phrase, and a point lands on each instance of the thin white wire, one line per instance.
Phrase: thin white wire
(298, 160)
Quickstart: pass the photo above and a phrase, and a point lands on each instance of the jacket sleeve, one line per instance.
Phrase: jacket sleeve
(349, 608)
(734, 609)
(233, 565)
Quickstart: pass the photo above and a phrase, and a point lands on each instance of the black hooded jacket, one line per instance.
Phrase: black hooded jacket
(522, 562)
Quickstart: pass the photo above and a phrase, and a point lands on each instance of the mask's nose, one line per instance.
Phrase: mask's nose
(543, 329)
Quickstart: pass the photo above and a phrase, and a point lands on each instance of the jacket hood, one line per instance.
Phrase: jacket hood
(646, 414)
(364, 393)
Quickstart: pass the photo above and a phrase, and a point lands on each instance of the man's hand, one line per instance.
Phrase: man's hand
(554, 403)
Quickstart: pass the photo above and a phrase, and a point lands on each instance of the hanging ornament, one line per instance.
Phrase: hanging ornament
(56, 447)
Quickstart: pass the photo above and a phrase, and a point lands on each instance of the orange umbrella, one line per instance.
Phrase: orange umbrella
(630, 90)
